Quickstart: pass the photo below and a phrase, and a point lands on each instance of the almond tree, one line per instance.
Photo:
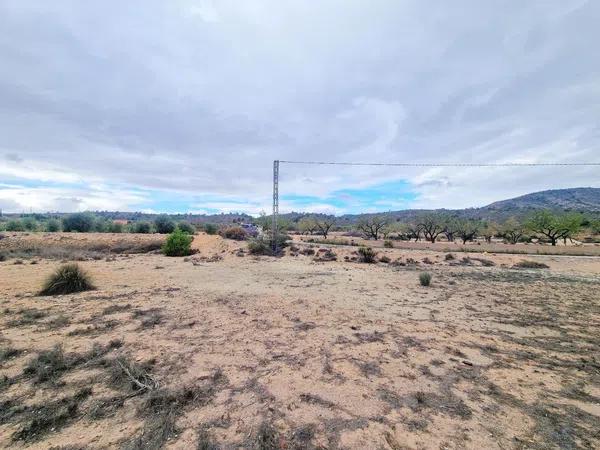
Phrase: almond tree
(512, 230)
(553, 226)
(372, 226)
(432, 226)
(466, 229)
(324, 224)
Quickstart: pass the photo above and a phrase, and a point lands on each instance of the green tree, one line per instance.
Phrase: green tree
(142, 227)
(53, 225)
(164, 225)
(554, 226)
(81, 222)
(15, 225)
(30, 224)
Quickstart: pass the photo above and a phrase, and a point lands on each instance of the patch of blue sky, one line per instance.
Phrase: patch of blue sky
(396, 194)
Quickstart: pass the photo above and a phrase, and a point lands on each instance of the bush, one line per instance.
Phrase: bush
(115, 227)
(366, 255)
(210, 228)
(425, 278)
(525, 264)
(259, 246)
(15, 225)
(385, 259)
(449, 257)
(66, 280)
(81, 222)
(388, 244)
(164, 225)
(186, 227)
(101, 226)
(178, 244)
(235, 233)
(53, 225)
(30, 224)
(142, 227)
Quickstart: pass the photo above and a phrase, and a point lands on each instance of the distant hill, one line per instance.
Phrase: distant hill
(584, 200)
(576, 199)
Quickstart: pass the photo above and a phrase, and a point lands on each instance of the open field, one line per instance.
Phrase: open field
(224, 351)
(471, 247)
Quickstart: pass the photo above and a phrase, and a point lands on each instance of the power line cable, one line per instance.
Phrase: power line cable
(509, 164)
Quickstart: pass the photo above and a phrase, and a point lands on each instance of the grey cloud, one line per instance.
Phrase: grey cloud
(200, 96)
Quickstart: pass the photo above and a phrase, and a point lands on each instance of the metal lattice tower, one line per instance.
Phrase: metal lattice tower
(275, 204)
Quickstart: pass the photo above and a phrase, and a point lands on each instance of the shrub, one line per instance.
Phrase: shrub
(30, 224)
(142, 227)
(425, 278)
(81, 222)
(164, 225)
(53, 225)
(525, 264)
(115, 227)
(449, 257)
(366, 255)
(186, 227)
(66, 280)
(101, 226)
(178, 244)
(325, 254)
(235, 233)
(210, 228)
(15, 225)
(259, 246)
(385, 259)
(388, 244)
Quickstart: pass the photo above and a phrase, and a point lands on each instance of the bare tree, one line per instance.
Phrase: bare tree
(413, 231)
(489, 230)
(372, 226)
(324, 224)
(450, 228)
(432, 226)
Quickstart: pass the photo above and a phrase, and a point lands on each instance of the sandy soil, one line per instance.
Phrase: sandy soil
(291, 353)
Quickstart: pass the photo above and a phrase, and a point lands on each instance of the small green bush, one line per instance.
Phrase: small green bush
(164, 225)
(235, 233)
(366, 255)
(186, 227)
(210, 228)
(425, 278)
(259, 246)
(142, 227)
(81, 222)
(66, 280)
(101, 226)
(53, 225)
(15, 225)
(30, 224)
(388, 244)
(178, 244)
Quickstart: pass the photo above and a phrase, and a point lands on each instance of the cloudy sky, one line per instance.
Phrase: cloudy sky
(182, 105)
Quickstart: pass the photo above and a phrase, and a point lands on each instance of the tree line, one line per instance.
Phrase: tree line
(545, 225)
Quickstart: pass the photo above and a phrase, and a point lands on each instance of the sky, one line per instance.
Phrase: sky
(182, 105)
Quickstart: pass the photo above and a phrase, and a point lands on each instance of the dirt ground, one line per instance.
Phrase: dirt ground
(227, 350)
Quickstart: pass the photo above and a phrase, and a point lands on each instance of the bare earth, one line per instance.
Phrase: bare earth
(289, 353)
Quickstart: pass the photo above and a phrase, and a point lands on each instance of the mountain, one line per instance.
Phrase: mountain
(576, 199)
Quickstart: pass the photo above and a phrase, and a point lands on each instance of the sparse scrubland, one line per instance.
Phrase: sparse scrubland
(233, 348)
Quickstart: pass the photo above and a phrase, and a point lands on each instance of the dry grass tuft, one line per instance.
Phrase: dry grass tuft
(67, 279)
